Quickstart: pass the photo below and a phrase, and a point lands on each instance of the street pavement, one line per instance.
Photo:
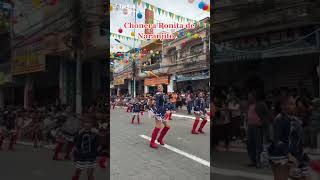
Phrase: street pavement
(187, 156)
(230, 165)
(35, 164)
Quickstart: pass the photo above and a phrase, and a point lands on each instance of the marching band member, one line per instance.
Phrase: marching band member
(200, 113)
(159, 111)
(136, 111)
(86, 149)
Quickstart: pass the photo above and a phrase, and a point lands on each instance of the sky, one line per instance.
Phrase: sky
(179, 7)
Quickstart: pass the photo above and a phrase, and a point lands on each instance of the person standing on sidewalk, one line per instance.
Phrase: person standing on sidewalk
(189, 100)
(255, 129)
(234, 107)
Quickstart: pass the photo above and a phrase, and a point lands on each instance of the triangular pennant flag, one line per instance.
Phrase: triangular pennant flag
(159, 11)
(139, 2)
(147, 5)
(170, 14)
(166, 13)
(151, 7)
(134, 1)
(162, 11)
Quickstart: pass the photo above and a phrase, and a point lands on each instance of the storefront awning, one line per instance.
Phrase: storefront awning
(192, 78)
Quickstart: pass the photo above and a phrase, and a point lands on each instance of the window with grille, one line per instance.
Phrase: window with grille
(196, 49)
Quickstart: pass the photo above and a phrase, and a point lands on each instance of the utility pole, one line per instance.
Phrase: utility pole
(77, 46)
(134, 51)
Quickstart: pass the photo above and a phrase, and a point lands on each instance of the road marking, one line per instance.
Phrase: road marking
(237, 173)
(184, 116)
(190, 156)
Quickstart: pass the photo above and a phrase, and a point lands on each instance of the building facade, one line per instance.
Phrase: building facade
(43, 61)
(187, 60)
(266, 44)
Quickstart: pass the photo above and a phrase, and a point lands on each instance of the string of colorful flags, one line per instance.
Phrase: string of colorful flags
(114, 35)
(160, 11)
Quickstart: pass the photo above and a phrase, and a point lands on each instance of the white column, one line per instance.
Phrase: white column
(95, 77)
(79, 85)
(27, 92)
(129, 87)
(1, 98)
(118, 91)
(146, 90)
(170, 85)
(204, 46)
(62, 82)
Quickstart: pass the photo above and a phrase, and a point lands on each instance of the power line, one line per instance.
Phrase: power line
(185, 58)
(267, 50)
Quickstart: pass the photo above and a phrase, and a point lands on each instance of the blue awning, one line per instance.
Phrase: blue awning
(192, 78)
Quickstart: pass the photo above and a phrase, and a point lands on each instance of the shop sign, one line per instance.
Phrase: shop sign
(4, 78)
(28, 64)
(192, 76)
(5, 14)
(149, 20)
(156, 81)
(118, 81)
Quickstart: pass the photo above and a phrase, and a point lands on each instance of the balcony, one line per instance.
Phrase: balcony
(151, 67)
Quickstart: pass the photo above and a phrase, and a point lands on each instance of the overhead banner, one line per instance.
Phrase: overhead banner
(149, 20)
(5, 16)
(4, 78)
(156, 81)
(28, 64)
(119, 80)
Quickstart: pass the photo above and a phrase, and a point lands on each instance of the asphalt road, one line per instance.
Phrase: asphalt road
(133, 159)
(35, 164)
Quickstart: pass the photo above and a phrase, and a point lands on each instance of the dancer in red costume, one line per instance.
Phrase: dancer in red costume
(200, 113)
(86, 149)
(104, 144)
(136, 111)
(113, 102)
(37, 126)
(8, 129)
(129, 105)
(66, 134)
(159, 111)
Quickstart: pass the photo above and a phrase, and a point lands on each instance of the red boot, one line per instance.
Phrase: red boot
(162, 134)
(69, 150)
(315, 165)
(138, 119)
(91, 177)
(203, 123)
(132, 121)
(154, 137)
(57, 151)
(170, 116)
(102, 162)
(141, 113)
(1, 142)
(75, 177)
(195, 124)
